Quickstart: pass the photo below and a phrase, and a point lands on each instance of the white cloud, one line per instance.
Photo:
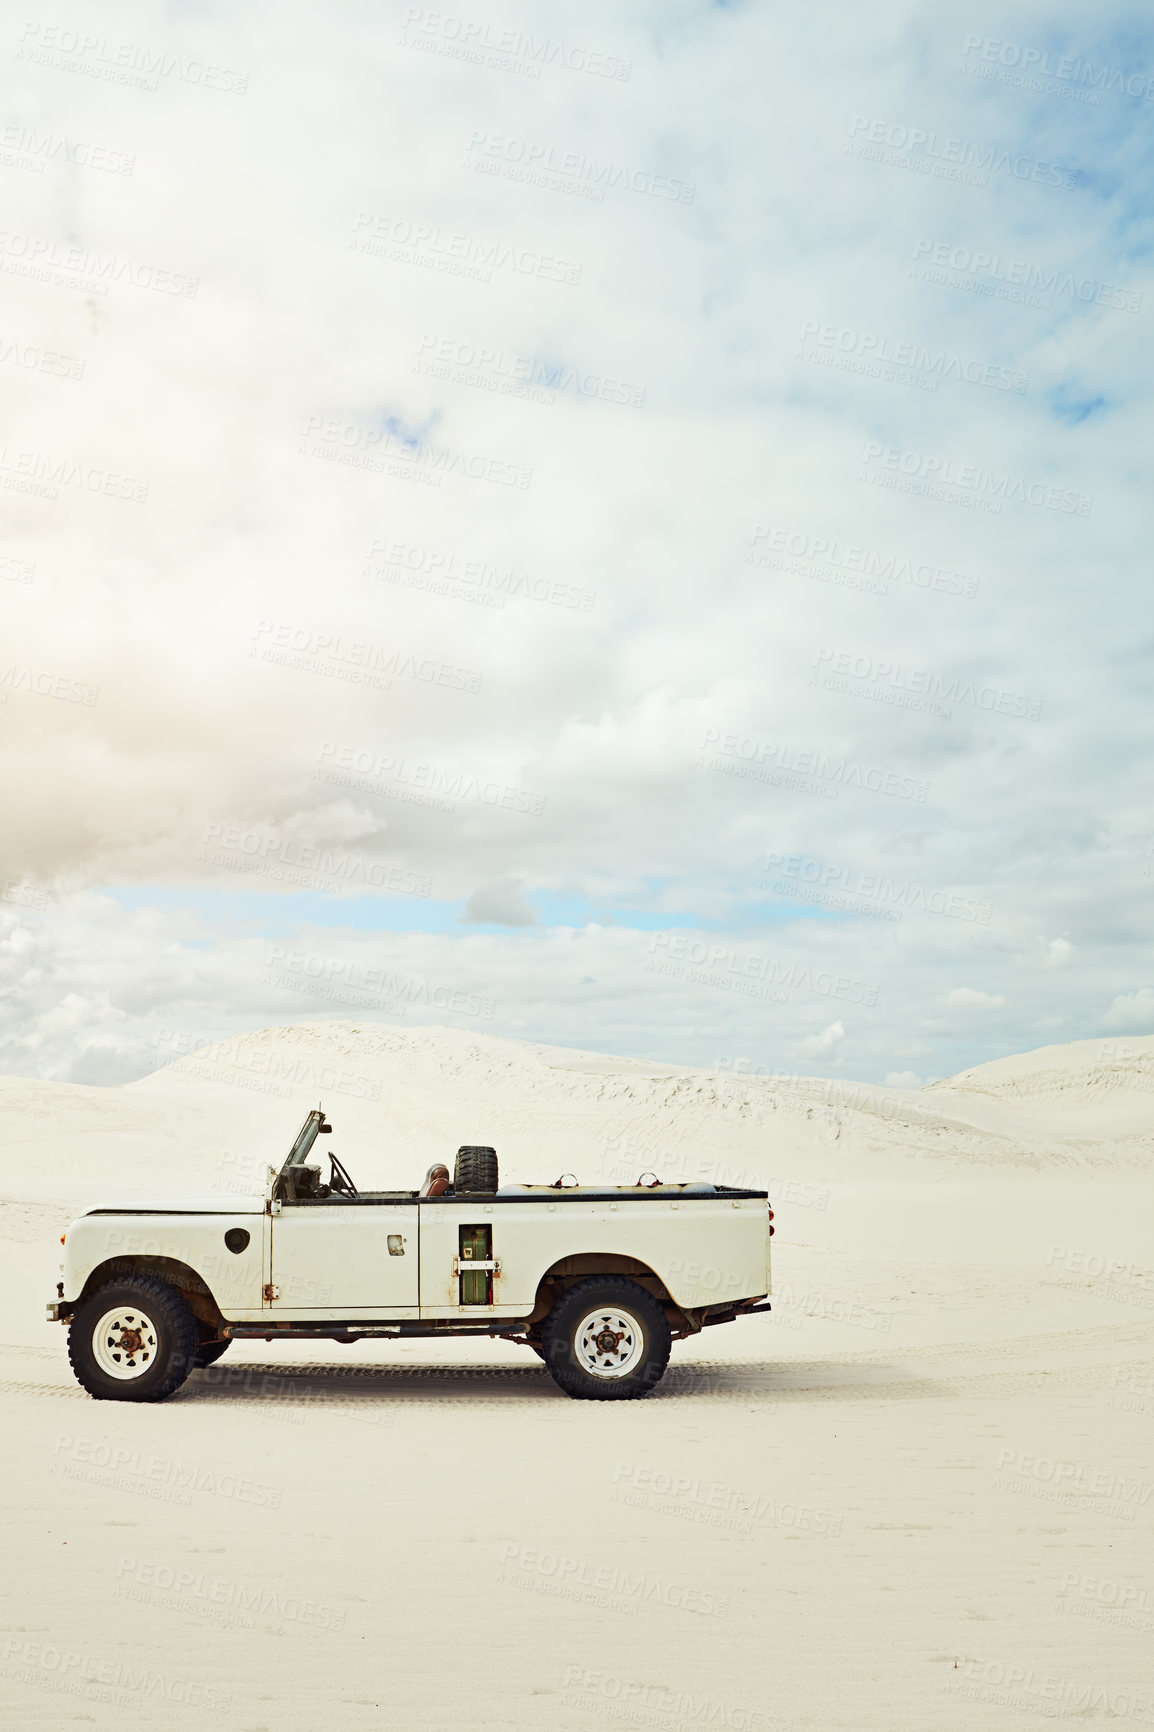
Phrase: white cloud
(903, 1079)
(299, 664)
(823, 1045)
(501, 903)
(970, 995)
(1131, 1010)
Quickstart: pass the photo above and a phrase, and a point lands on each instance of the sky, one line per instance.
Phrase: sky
(625, 530)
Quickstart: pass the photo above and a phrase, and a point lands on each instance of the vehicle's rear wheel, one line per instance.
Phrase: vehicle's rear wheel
(475, 1172)
(209, 1352)
(606, 1339)
(134, 1340)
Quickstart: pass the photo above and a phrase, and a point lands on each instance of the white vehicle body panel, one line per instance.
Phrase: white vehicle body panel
(705, 1251)
(319, 1263)
(186, 1235)
(337, 1262)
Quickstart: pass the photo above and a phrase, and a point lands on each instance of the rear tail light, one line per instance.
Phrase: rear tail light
(63, 1236)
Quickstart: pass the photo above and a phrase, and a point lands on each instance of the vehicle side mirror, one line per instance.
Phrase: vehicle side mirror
(324, 1130)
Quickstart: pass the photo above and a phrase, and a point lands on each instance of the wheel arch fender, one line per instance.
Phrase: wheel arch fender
(193, 1287)
(567, 1271)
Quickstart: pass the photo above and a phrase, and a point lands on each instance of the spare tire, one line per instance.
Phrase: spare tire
(475, 1173)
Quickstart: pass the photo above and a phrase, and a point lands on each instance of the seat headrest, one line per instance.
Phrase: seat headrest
(436, 1181)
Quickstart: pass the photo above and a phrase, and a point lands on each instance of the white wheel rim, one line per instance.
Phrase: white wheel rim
(124, 1343)
(608, 1342)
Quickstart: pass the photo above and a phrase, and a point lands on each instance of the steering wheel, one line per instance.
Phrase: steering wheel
(340, 1180)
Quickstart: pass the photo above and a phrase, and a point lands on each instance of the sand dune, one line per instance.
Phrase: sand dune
(918, 1494)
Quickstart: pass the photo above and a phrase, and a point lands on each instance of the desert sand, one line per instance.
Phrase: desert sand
(918, 1495)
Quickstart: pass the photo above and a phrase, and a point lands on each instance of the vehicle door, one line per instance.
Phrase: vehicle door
(356, 1259)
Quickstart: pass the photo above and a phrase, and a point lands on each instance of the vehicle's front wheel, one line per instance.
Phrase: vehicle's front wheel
(134, 1340)
(606, 1339)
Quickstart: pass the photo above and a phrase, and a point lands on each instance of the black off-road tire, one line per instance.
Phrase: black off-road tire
(209, 1352)
(644, 1348)
(475, 1172)
(173, 1338)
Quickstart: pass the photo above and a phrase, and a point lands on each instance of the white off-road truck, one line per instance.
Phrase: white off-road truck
(596, 1279)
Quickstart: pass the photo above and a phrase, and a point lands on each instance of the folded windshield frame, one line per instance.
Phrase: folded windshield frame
(306, 1137)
